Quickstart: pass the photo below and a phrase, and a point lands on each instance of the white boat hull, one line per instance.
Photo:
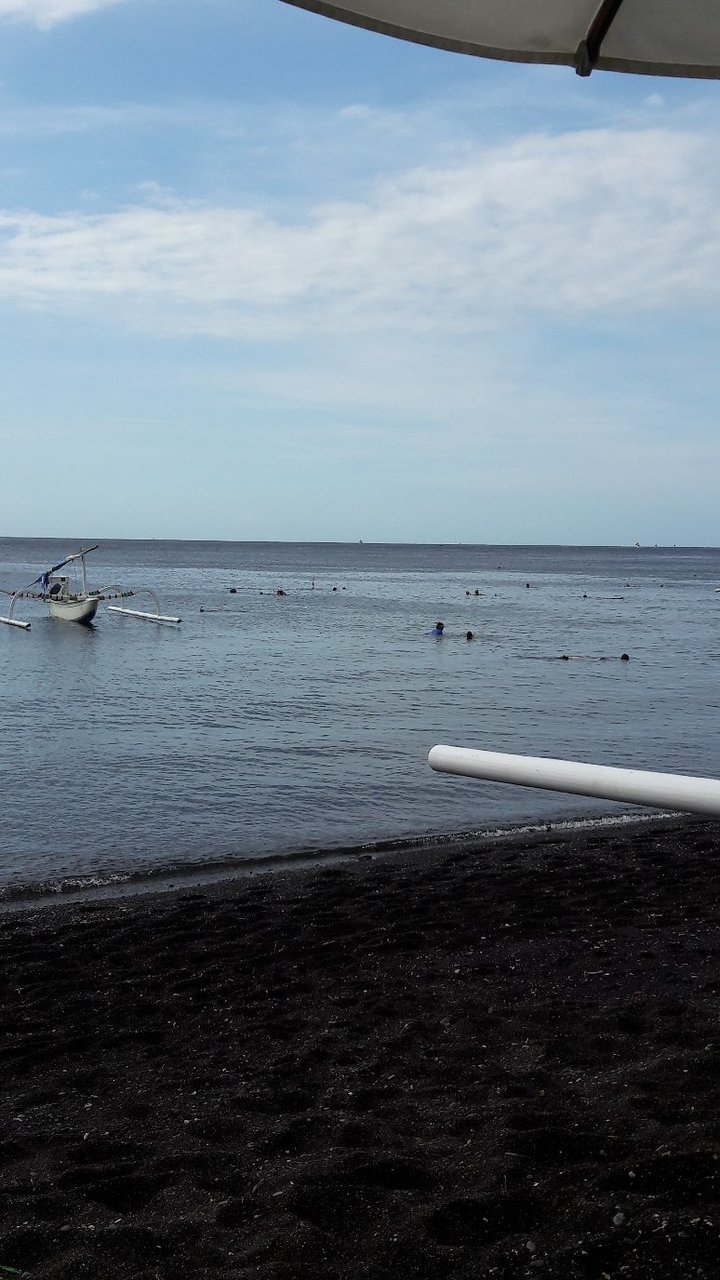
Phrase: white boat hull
(82, 610)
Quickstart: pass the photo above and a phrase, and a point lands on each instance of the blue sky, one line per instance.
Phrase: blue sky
(267, 276)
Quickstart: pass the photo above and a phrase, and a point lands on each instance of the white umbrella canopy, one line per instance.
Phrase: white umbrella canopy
(647, 37)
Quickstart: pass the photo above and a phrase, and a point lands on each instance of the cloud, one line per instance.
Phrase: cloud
(55, 121)
(47, 13)
(601, 223)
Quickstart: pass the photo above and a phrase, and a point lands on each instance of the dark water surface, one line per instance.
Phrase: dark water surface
(266, 724)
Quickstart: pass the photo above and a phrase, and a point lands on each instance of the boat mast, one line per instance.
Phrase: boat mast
(77, 555)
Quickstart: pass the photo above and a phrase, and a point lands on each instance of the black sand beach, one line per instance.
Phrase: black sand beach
(501, 1061)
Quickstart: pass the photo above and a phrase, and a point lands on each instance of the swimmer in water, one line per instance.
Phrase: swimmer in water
(581, 657)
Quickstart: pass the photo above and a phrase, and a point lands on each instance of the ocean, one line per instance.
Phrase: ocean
(270, 725)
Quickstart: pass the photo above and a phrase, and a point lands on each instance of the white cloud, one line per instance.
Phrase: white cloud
(47, 13)
(589, 223)
(55, 121)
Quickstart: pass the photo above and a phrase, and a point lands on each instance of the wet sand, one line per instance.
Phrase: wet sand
(491, 1062)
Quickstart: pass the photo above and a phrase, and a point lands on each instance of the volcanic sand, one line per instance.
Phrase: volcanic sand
(500, 1060)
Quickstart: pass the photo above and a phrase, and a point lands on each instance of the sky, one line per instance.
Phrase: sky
(267, 276)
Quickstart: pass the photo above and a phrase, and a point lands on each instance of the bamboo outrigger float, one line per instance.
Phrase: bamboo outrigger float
(69, 605)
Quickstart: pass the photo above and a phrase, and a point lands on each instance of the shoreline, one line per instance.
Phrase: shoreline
(169, 877)
(499, 1060)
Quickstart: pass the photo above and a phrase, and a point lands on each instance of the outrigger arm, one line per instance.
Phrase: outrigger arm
(157, 616)
(9, 620)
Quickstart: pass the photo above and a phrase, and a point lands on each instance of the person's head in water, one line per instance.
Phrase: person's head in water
(468, 635)
(624, 657)
(440, 627)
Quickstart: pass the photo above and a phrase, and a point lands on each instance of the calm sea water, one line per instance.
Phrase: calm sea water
(266, 724)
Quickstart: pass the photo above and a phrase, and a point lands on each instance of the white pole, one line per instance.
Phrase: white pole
(632, 786)
(136, 613)
(15, 622)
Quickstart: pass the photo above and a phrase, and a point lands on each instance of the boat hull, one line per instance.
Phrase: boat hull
(82, 610)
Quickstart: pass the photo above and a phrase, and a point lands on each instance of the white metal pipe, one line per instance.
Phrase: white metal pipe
(136, 613)
(631, 786)
(15, 622)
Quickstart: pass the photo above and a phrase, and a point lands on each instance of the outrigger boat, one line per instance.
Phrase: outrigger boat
(54, 588)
